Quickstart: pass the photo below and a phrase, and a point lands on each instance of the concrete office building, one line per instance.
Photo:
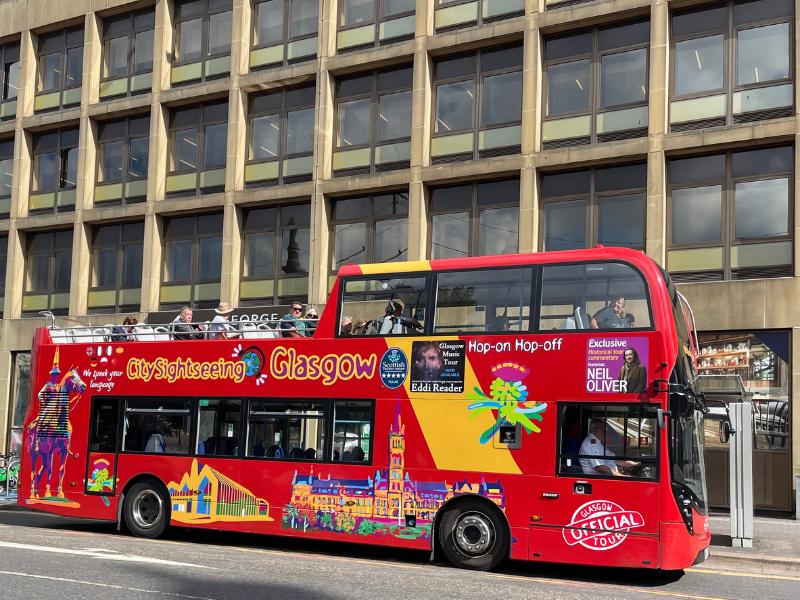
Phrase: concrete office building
(162, 152)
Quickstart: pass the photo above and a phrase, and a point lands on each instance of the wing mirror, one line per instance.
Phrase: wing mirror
(725, 431)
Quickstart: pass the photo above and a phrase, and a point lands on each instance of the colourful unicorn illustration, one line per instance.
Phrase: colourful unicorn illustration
(49, 433)
(509, 397)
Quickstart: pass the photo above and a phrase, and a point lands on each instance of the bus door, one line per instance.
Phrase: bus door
(602, 506)
(101, 463)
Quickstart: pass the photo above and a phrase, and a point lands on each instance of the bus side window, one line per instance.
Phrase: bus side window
(483, 300)
(611, 440)
(218, 426)
(158, 425)
(286, 429)
(602, 296)
(105, 417)
(352, 431)
(390, 305)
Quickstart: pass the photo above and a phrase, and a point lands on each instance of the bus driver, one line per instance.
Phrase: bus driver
(593, 446)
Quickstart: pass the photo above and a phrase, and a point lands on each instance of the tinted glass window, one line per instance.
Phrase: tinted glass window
(374, 303)
(484, 301)
(608, 441)
(286, 430)
(593, 296)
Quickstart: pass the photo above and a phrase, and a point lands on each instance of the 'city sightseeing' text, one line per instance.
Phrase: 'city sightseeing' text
(162, 369)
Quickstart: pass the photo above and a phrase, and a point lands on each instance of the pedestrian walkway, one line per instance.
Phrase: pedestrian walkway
(776, 546)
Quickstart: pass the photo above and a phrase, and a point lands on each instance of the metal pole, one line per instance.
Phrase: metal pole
(797, 497)
(741, 475)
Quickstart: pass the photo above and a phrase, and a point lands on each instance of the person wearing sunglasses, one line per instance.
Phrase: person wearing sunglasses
(292, 325)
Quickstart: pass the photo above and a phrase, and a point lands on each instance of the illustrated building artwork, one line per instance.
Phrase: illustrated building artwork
(204, 495)
(388, 502)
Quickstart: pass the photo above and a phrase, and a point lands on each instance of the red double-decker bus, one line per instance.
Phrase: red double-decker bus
(539, 407)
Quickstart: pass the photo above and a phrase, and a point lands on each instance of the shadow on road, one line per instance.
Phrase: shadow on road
(637, 577)
(209, 585)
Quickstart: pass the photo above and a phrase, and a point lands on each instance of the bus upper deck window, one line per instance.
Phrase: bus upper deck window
(604, 296)
(392, 305)
(483, 300)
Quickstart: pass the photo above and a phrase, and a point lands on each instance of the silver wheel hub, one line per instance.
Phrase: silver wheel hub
(474, 534)
(147, 509)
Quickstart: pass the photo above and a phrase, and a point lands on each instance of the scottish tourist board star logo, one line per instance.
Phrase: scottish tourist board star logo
(394, 368)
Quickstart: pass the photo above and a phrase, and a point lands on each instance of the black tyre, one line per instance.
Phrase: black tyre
(473, 536)
(146, 510)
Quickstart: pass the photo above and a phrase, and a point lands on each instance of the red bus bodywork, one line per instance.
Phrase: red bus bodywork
(431, 442)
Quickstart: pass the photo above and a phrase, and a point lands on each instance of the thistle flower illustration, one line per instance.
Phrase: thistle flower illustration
(509, 397)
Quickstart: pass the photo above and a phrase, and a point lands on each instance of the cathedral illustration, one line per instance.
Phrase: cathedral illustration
(389, 496)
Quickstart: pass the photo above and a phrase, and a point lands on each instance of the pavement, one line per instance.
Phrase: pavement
(775, 551)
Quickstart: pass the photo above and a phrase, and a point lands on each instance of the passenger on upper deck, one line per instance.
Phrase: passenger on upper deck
(291, 323)
(311, 319)
(612, 316)
(220, 328)
(124, 332)
(395, 323)
(184, 329)
(346, 326)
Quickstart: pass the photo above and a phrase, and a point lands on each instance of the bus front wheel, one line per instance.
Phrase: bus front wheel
(145, 510)
(473, 536)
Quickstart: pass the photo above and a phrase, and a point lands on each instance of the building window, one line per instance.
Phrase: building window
(55, 171)
(596, 84)
(281, 140)
(122, 161)
(21, 398)
(284, 31)
(761, 360)
(127, 54)
(478, 104)
(730, 215)
(60, 60)
(47, 273)
(581, 209)
(474, 220)
(197, 149)
(202, 40)
(3, 260)
(731, 63)
(374, 22)
(116, 267)
(192, 261)
(9, 80)
(6, 175)
(369, 229)
(453, 14)
(276, 249)
(373, 122)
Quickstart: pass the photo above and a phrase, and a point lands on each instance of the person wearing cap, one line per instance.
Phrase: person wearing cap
(291, 323)
(311, 318)
(220, 328)
(346, 326)
(395, 323)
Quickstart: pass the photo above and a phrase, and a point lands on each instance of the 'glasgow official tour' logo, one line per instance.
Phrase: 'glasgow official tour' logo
(394, 368)
(601, 525)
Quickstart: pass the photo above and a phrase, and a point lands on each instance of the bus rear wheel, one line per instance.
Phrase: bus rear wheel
(473, 536)
(145, 510)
